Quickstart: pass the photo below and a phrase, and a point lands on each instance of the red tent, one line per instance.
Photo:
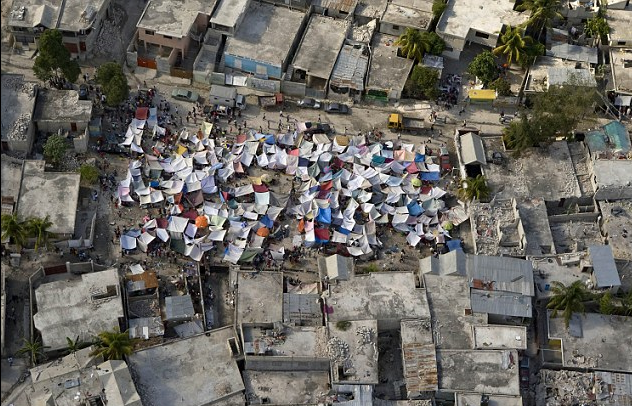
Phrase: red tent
(260, 188)
(142, 113)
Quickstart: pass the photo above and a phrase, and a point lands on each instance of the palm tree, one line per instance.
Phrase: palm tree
(76, 345)
(34, 348)
(569, 299)
(413, 44)
(38, 227)
(13, 229)
(542, 13)
(474, 188)
(113, 345)
(513, 45)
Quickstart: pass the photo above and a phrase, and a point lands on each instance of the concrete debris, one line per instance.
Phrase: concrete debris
(337, 350)
(108, 40)
(571, 387)
(17, 84)
(367, 335)
(20, 127)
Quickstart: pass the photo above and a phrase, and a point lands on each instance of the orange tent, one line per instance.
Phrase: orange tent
(263, 232)
(301, 226)
(201, 222)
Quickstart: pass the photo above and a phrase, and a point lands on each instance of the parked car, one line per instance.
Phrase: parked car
(320, 128)
(336, 108)
(83, 92)
(185, 95)
(444, 160)
(309, 103)
(240, 102)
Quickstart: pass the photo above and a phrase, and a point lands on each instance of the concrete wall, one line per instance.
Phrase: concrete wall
(491, 41)
(147, 37)
(579, 217)
(261, 85)
(391, 29)
(54, 126)
(293, 88)
(252, 66)
(613, 193)
(23, 145)
(80, 143)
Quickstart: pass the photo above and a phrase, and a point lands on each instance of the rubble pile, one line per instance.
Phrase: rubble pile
(17, 84)
(20, 127)
(108, 40)
(367, 335)
(337, 350)
(569, 387)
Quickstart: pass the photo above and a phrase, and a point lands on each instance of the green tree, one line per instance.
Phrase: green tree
(484, 67)
(423, 81)
(75, 345)
(113, 81)
(89, 174)
(533, 50)
(501, 86)
(513, 45)
(113, 345)
(13, 229)
(53, 59)
(597, 27)
(34, 348)
(474, 188)
(39, 228)
(435, 42)
(438, 7)
(55, 148)
(520, 135)
(605, 304)
(568, 299)
(413, 45)
(543, 12)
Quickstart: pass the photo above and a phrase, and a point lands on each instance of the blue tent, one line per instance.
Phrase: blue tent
(270, 139)
(454, 245)
(303, 161)
(419, 157)
(431, 176)
(267, 221)
(324, 215)
(344, 231)
(378, 160)
(414, 209)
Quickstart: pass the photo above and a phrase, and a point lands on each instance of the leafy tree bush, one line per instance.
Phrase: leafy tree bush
(484, 67)
(501, 86)
(113, 81)
(436, 43)
(423, 82)
(89, 174)
(55, 148)
(438, 7)
(54, 59)
(597, 27)
(474, 188)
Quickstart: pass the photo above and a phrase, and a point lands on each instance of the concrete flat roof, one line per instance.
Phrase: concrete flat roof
(360, 352)
(621, 74)
(298, 341)
(258, 36)
(311, 55)
(227, 12)
(535, 221)
(594, 341)
(52, 194)
(378, 295)
(620, 23)
(259, 297)
(11, 174)
(79, 14)
(407, 16)
(371, 8)
(613, 225)
(493, 372)
(616, 173)
(487, 16)
(287, 387)
(467, 399)
(449, 298)
(387, 71)
(71, 307)
(531, 174)
(563, 268)
(38, 12)
(537, 78)
(194, 371)
(20, 95)
(61, 105)
(166, 18)
(494, 337)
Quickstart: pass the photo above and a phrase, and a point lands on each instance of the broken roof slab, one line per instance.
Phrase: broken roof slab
(259, 297)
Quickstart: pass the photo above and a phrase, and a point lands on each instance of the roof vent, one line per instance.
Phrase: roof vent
(18, 13)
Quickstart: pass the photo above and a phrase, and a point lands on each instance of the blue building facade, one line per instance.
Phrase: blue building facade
(263, 70)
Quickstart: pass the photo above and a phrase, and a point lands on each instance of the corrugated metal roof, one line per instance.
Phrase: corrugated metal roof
(178, 307)
(500, 303)
(604, 267)
(472, 150)
(565, 75)
(350, 68)
(451, 263)
(505, 274)
(573, 53)
(420, 359)
(346, 6)
(300, 307)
